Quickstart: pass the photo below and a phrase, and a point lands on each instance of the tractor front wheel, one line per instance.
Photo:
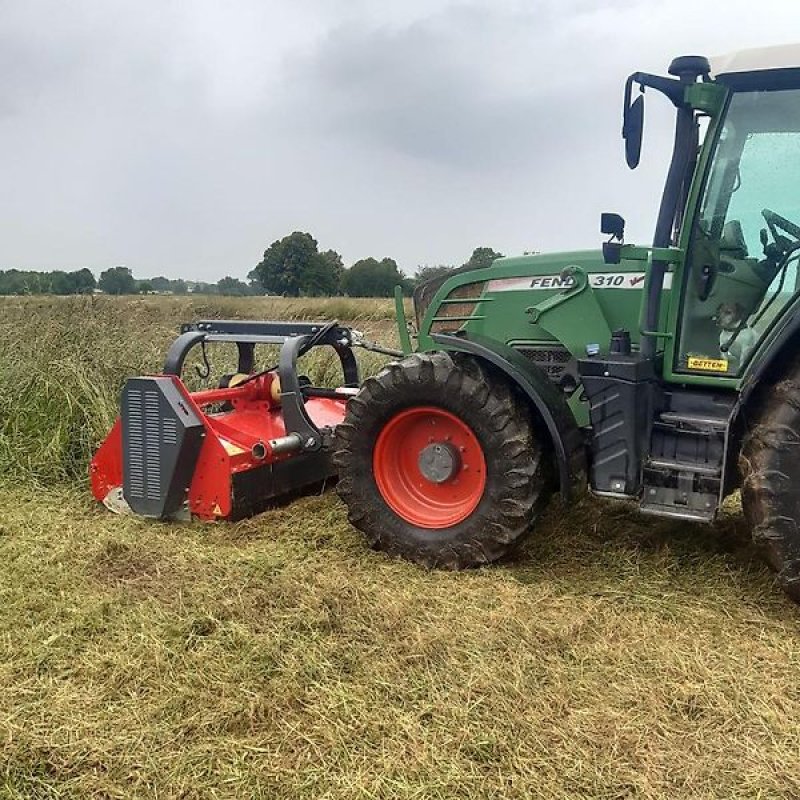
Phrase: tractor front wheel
(438, 462)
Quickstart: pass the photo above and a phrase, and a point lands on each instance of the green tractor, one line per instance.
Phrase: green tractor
(667, 374)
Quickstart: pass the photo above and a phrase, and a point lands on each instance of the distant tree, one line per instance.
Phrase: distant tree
(59, 283)
(323, 277)
(201, 287)
(372, 278)
(144, 287)
(232, 287)
(35, 282)
(481, 257)
(79, 281)
(161, 284)
(83, 281)
(427, 273)
(337, 265)
(294, 266)
(117, 280)
(164, 285)
(15, 281)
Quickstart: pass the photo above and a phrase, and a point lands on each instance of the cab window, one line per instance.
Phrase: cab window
(745, 242)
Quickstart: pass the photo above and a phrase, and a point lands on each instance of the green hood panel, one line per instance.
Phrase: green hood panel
(513, 286)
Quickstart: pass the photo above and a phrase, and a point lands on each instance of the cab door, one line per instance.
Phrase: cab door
(744, 246)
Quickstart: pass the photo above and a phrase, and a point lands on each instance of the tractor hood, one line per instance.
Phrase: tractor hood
(500, 301)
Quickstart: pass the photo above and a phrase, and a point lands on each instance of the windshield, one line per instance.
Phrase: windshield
(759, 140)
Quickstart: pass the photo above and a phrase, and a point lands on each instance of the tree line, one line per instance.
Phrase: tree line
(114, 280)
(293, 266)
(16, 281)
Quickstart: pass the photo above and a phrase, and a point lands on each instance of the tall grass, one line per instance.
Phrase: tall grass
(63, 362)
(278, 657)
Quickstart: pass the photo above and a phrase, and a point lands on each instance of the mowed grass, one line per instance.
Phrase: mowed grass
(614, 657)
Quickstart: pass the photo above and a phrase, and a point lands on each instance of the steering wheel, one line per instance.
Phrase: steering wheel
(775, 223)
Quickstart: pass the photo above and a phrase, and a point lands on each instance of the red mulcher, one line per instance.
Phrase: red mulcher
(225, 453)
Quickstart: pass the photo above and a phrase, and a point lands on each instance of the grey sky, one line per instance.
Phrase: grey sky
(181, 138)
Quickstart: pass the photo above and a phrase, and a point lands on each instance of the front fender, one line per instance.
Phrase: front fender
(546, 401)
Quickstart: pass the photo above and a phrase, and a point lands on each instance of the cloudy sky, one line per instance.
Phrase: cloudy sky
(181, 138)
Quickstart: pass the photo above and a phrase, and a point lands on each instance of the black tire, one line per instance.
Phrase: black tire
(517, 467)
(769, 464)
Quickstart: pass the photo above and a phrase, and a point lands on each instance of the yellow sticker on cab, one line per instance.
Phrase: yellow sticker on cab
(708, 364)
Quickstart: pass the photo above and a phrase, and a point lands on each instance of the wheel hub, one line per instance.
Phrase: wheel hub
(439, 462)
(429, 467)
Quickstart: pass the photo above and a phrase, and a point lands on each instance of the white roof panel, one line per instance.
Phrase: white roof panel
(784, 56)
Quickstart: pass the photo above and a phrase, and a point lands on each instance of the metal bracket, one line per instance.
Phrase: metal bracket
(584, 302)
(295, 338)
(245, 334)
(295, 418)
(402, 322)
(635, 252)
(581, 283)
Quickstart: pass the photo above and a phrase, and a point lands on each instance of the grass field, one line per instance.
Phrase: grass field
(614, 657)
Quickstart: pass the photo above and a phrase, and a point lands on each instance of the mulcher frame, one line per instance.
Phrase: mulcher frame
(169, 456)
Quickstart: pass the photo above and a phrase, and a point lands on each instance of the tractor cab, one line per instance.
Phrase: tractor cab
(730, 207)
(743, 243)
(722, 282)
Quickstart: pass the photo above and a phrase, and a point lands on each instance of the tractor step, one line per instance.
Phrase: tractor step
(709, 470)
(674, 512)
(682, 491)
(692, 422)
(683, 475)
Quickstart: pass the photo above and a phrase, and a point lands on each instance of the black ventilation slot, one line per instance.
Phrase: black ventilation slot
(556, 361)
(161, 439)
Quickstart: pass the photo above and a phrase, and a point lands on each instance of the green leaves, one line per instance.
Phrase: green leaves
(117, 280)
(372, 278)
(15, 281)
(293, 266)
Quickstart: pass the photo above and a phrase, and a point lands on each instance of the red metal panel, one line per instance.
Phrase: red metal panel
(227, 448)
(105, 472)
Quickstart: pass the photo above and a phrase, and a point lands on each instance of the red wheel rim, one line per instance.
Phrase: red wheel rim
(407, 490)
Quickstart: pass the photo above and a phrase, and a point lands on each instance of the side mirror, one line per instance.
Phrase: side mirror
(633, 126)
(612, 225)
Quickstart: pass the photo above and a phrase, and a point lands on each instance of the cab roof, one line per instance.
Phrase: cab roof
(759, 68)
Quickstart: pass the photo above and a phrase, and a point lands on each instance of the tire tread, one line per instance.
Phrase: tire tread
(513, 495)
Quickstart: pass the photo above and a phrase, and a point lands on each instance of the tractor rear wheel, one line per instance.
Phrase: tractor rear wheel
(770, 468)
(438, 462)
